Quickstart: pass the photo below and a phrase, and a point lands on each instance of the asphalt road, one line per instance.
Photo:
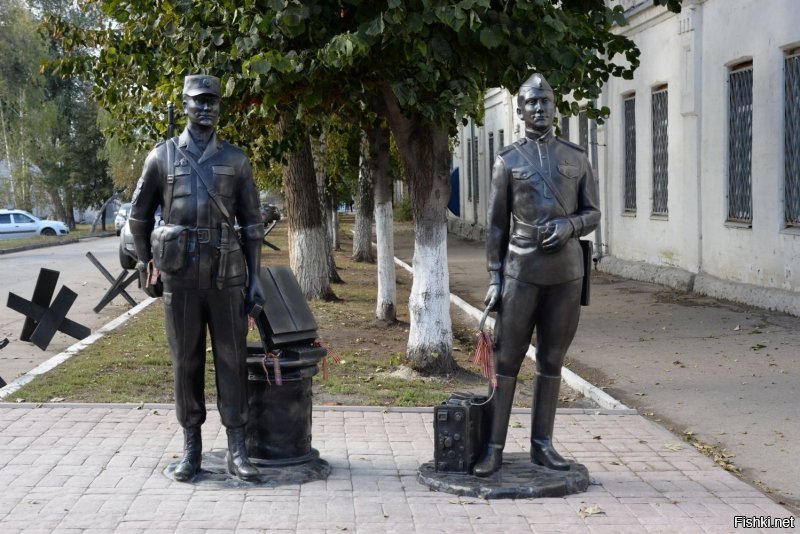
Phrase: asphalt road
(19, 273)
(727, 373)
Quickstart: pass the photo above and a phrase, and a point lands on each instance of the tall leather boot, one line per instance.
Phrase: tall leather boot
(238, 463)
(543, 420)
(192, 454)
(492, 458)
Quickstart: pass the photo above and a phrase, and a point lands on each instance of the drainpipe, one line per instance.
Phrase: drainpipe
(598, 241)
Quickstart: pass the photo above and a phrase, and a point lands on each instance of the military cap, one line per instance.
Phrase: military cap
(201, 84)
(536, 81)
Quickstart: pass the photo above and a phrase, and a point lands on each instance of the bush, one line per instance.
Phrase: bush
(402, 211)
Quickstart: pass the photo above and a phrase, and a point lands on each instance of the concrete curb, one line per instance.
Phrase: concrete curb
(67, 240)
(574, 381)
(72, 350)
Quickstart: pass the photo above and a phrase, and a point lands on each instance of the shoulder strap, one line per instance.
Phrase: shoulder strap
(170, 180)
(548, 181)
(212, 192)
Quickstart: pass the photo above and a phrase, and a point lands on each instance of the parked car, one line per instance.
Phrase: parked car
(269, 214)
(127, 251)
(122, 216)
(18, 223)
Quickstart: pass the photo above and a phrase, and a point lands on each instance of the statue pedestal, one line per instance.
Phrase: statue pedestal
(517, 479)
(214, 473)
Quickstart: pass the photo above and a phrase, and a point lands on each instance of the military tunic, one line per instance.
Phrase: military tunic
(193, 301)
(540, 288)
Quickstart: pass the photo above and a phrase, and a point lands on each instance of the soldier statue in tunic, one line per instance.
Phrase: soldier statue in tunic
(209, 269)
(543, 198)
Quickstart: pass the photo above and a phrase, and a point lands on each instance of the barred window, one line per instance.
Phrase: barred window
(475, 194)
(491, 151)
(740, 143)
(564, 125)
(501, 138)
(630, 153)
(660, 145)
(469, 169)
(791, 188)
(583, 130)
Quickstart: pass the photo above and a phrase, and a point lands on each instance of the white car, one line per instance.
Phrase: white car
(122, 216)
(15, 224)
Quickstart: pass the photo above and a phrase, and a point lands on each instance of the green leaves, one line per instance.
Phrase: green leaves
(491, 37)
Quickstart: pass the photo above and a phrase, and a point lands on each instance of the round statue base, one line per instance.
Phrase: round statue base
(214, 472)
(517, 479)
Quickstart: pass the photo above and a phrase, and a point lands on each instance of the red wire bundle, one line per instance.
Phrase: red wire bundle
(484, 356)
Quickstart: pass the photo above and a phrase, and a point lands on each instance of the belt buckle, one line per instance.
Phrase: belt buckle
(203, 235)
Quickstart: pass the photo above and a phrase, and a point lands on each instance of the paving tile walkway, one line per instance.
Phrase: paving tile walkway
(98, 468)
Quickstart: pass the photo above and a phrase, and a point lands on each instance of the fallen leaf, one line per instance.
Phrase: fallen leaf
(597, 437)
(57, 399)
(516, 424)
(673, 446)
(590, 510)
(738, 327)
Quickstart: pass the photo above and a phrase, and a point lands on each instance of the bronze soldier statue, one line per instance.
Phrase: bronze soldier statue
(210, 276)
(543, 199)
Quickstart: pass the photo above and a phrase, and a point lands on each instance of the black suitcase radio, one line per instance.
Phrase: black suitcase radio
(460, 426)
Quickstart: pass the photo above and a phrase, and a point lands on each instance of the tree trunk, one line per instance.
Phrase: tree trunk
(425, 153)
(379, 161)
(58, 204)
(101, 216)
(308, 243)
(318, 157)
(333, 226)
(365, 206)
(7, 147)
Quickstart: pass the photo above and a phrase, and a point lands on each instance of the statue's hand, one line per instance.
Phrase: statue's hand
(562, 232)
(254, 297)
(144, 279)
(493, 296)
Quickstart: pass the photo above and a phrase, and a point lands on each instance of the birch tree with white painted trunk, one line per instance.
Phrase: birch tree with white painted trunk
(308, 240)
(378, 160)
(425, 153)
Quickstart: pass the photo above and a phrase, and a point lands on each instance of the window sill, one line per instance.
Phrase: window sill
(791, 230)
(659, 217)
(738, 225)
(630, 214)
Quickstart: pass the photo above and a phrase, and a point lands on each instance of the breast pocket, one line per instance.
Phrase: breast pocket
(183, 184)
(569, 171)
(224, 178)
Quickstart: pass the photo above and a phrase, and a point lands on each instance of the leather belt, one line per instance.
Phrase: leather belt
(203, 235)
(532, 232)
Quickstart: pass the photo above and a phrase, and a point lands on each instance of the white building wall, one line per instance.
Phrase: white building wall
(691, 53)
(766, 254)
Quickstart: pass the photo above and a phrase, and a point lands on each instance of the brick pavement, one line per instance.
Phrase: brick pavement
(98, 468)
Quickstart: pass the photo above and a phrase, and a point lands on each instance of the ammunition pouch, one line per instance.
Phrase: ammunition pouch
(169, 243)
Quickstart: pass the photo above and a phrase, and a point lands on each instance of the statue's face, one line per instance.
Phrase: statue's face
(537, 110)
(202, 110)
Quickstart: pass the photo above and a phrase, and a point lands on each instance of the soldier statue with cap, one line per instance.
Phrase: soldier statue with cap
(209, 270)
(543, 197)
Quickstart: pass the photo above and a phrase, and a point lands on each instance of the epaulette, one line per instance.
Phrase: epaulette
(508, 148)
(571, 145)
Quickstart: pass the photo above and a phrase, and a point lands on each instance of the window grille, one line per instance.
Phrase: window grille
(630, 154)
(740, 144)
(660, 145)
(491, 151)
(469, 170)
(475, 194)
(792, 140)
(564, 125)
(583, 130)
